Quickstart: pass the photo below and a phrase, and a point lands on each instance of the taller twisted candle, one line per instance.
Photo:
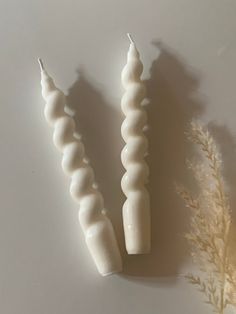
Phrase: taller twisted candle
(136, 212)
(98, 230)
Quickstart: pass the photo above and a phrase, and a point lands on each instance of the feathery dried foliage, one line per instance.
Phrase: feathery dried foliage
(210, 225)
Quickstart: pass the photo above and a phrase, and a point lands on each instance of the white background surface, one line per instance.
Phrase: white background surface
(189, 52)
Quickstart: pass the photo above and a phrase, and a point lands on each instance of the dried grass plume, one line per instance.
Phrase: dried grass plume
(210, 229)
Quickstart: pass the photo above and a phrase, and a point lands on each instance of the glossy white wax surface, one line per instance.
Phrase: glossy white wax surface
(136, 208)
(98, 230)
(45, 266)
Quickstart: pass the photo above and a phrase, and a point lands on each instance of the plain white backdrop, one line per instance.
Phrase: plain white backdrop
(189, 53)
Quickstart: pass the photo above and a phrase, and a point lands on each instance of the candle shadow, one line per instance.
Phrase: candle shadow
(174, 101)
(99, 124)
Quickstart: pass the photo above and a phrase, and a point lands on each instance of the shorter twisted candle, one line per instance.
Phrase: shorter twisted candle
(136, 212)
(99, 233)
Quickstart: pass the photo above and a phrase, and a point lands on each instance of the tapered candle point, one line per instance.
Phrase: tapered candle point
(41, 64)
(130, 38)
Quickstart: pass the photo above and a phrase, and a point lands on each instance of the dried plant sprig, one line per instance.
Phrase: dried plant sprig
(210, 224)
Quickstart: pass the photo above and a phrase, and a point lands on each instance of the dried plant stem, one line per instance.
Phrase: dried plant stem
(210, 225)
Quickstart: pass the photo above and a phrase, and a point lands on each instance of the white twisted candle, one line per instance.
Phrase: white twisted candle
(99, 233)
(136, 212)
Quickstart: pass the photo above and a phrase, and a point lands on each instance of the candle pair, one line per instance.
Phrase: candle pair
(99, 233)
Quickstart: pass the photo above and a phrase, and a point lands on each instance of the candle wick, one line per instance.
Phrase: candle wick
(130, 38)
(41, 64)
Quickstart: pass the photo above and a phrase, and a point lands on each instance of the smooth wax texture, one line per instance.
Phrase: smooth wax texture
(136, 209)
(98, 230)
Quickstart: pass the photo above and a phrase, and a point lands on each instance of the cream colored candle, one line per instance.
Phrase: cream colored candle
(98, 230)
(136, 211)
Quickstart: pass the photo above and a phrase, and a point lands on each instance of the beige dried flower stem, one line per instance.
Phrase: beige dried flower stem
(205, 141)
(210, 225)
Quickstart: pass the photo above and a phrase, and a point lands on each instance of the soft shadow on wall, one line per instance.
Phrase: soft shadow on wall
(172, 90)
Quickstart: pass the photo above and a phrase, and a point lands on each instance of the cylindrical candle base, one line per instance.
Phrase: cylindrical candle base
(136, 221)
(103, 247)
